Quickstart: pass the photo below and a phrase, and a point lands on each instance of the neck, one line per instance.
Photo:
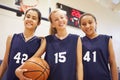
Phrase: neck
(61, 35)
(92, 36)
(28, 35)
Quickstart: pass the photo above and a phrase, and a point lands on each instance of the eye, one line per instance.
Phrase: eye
(90, 22)
(61, 17)
(84, 24)
(28, 16)
(34, 18)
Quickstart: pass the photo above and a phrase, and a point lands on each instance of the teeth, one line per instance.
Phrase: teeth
(29, 24)
(88, 30)
(61, 24)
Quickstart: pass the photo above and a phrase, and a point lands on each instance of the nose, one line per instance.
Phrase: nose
(87, 25)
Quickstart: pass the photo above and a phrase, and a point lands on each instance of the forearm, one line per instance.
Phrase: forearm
(80, 72)
(2, 70)
(41, 49)
(114, 72)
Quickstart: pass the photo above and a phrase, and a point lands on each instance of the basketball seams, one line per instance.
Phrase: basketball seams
(44, 69)
(36, 63)
(31, 71)
(41, 75)
(38, 69)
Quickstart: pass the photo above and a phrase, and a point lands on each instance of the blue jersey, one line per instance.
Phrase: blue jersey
(61, 57)
(20, 51)
(96, 58)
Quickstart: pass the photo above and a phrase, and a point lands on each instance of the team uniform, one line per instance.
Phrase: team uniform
(96, 58)
(61, 57)
(20, 51)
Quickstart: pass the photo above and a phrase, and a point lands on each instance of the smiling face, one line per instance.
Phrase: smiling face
(88, 25)
(31, 20)
(58, 20)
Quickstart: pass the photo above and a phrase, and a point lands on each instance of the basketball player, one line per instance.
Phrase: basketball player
(20, 47)
(63, 50)
(97, 52)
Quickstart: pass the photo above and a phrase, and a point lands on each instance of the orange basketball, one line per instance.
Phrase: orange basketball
(37, 69)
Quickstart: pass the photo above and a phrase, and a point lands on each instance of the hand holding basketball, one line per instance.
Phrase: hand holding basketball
(37, 69)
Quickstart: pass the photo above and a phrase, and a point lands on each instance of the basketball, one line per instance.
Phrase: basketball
(37, 69)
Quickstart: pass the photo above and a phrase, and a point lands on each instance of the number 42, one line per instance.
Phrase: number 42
(20, 58)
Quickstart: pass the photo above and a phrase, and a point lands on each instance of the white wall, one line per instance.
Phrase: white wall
(108, 22)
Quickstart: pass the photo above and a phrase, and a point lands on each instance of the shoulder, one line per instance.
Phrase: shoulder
(9, 39)
(16, 35)
(105, 36)
(74, 36)
(83, 38)
(11, 36)
(49, 36)
(40, 37)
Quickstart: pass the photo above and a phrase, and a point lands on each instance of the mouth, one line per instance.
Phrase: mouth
(29, 24)
(88, 30)
(61, 25)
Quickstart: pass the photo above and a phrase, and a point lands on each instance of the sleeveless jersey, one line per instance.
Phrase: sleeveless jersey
(61, 57)
(96, 58)
(20, 51)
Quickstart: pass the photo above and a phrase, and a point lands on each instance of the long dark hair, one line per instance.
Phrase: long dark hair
(85, 15)
(38, 12)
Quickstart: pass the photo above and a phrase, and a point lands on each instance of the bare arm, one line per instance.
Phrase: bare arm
(79, 60)
(113, 66)
(41, 50)
(4, 63)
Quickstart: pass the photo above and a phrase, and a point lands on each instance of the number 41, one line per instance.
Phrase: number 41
(88, 58)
